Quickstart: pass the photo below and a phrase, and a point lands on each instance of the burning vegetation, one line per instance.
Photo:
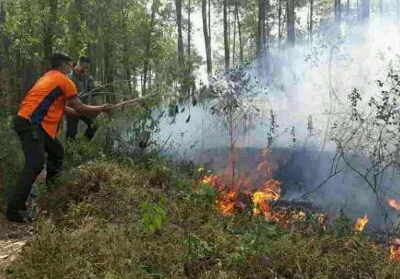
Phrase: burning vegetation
(155, 220)
(262, 193)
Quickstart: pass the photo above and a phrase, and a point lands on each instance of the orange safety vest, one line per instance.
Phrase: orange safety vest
(45, 102)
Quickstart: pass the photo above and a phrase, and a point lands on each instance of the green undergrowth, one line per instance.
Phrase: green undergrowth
(129, 220)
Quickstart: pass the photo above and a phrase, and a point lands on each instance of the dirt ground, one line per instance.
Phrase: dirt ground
(13, 236)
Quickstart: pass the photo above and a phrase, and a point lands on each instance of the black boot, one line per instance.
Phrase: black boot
(18, 213)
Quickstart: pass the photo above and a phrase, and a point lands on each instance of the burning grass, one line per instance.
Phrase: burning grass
(118, 221)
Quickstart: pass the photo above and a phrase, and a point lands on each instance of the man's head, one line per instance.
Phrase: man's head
(82, 66)
(62, 62)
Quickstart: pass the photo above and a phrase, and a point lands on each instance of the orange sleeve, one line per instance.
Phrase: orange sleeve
(69, 89)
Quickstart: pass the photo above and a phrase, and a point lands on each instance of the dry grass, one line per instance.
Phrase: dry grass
(96, 227)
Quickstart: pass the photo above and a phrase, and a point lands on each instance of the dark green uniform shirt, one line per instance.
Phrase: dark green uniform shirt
(83, 83)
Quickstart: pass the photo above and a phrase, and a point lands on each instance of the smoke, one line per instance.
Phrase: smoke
(307, 91)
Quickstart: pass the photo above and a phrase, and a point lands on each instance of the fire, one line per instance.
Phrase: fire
(393, 203)
(230, 186)
(361, 223)
(226, 203)
(262, 190)
(394, 249)
(262, 198)
(394, 252)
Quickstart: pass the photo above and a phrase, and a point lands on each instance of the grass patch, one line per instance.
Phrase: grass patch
(129, 220)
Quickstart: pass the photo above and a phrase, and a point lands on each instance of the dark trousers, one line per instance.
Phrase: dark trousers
(72, 126)
(35, 143)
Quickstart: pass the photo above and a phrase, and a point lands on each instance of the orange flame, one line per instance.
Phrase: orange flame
(393, 203)
(226, 203)
(361, 223)
(394, 252)
(230, 187)
(262, 198)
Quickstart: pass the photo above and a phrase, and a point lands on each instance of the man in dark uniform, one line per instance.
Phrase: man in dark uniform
(84, 82)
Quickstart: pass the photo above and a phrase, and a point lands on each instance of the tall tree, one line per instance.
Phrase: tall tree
(178, 6)
(261, 34)
(239, 26)
(189, 28)
(50, 28)
(280, 22)
(338, 11)
(311, 21)
(365, 6)
(290, 22)
(4, 46)
(207, 36)
(226, 35)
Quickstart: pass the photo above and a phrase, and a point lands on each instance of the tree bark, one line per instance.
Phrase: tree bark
(291, 37)
(178, 6)
(189, 29)
(207, 39)
(261, 27)
(226, 35)
(239, 34)
(311, 23)
(365, 10)
(338, 11)
(50, 29)
(280, 22)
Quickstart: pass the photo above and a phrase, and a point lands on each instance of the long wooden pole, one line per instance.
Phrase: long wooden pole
(133, 100)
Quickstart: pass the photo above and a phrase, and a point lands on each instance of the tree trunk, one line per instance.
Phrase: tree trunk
(78, 5)
(311, 26)
(267, 29)
(365, 10)
(226, 35)
(178, 5)
(207, 39)
(146, 67)
(50, 29)
(234, 39)
(189, 30)
(3, 40)
(348, 8)
(280, 22)
(4, 53)
(261, 27)
(239, 34)
(338, 11)
(291, 37)
(108, 68)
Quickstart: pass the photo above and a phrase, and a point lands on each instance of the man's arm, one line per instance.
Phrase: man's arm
(83, 109)
(70, 111)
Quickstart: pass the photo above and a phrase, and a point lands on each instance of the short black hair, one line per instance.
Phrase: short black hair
(57, 59)
(83, 59)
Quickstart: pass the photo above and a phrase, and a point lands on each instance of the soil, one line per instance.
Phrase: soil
(13, 236)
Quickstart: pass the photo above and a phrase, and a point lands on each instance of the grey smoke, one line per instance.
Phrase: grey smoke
(303, 82)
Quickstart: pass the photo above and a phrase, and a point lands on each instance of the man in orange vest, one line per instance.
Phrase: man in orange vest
(37, 123)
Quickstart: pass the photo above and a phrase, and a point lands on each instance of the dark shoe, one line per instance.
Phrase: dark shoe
(20, 216)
